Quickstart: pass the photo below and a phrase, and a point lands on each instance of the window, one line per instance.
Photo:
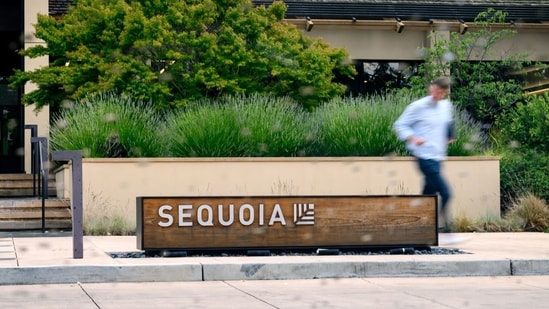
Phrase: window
(377, 77)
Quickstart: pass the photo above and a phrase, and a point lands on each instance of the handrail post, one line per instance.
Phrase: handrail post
(76, 198)
(34, 158)
(44, 172)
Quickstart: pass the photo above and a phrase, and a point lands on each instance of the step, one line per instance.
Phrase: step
(14, 185)
(17, 225)
(31, 215)
(33, 202)
(26, 213)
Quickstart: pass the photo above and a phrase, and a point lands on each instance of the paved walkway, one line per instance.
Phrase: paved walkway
(44, 259)
(502, 292)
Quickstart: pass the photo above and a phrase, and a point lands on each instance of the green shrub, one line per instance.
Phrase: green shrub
(102, 122)
(521, 139)
(527, 125)
(523, 171)
(238, 126)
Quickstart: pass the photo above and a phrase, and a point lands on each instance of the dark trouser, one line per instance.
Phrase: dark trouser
(434, 183)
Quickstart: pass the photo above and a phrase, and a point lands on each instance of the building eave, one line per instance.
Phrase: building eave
(389, 24)
(520, 12)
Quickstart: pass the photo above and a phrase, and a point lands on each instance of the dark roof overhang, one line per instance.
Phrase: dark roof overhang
(518, 11)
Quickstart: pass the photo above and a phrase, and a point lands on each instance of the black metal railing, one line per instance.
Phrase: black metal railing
(43, 169)
(39, 168)
(34, 159)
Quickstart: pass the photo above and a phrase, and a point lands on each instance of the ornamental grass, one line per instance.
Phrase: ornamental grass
(109, 125)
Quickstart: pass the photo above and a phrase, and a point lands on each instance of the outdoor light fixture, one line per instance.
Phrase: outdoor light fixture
(399, 25)
(462, 27)
(308, 24)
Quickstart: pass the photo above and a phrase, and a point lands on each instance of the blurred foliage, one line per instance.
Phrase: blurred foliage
(523, 171)
(170, 52)
(527, 124)
(523, 147)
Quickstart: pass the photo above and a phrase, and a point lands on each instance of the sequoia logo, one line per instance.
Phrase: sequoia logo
(247, 214)
(304, 214)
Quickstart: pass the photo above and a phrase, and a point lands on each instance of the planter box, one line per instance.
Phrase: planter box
(115, 183)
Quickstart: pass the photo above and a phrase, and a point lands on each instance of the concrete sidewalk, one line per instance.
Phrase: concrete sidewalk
(46, 258)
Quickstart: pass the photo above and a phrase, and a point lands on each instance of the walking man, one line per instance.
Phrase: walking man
(427, 127)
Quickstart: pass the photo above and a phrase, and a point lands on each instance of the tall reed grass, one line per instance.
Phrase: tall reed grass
(244, 126)
(98, 121)
(470, 138)
(252, 126)
(359, 126)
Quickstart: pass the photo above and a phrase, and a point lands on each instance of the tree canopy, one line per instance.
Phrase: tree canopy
(173, 51)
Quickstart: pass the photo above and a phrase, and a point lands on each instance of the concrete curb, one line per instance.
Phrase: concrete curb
(267, 271)
(313, 270)
(100, 273)
(530, 267)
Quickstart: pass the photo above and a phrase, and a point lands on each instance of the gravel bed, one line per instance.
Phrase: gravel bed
(393, 251)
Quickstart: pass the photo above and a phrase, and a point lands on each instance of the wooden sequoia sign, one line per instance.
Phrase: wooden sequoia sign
(275, 222)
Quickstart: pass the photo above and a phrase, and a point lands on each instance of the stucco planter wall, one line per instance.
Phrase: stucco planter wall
(115, 183)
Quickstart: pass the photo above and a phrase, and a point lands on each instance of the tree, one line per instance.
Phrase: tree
(173, 51)
(483, 88)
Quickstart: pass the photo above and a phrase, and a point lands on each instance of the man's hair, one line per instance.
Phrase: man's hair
(441, 82)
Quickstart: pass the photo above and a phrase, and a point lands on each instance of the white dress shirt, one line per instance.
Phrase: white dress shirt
(430, 120)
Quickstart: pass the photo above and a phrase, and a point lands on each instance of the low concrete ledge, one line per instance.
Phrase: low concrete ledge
(530, 267)
(315, 269)
(269, 270)
(477, 267)
(101, 273)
